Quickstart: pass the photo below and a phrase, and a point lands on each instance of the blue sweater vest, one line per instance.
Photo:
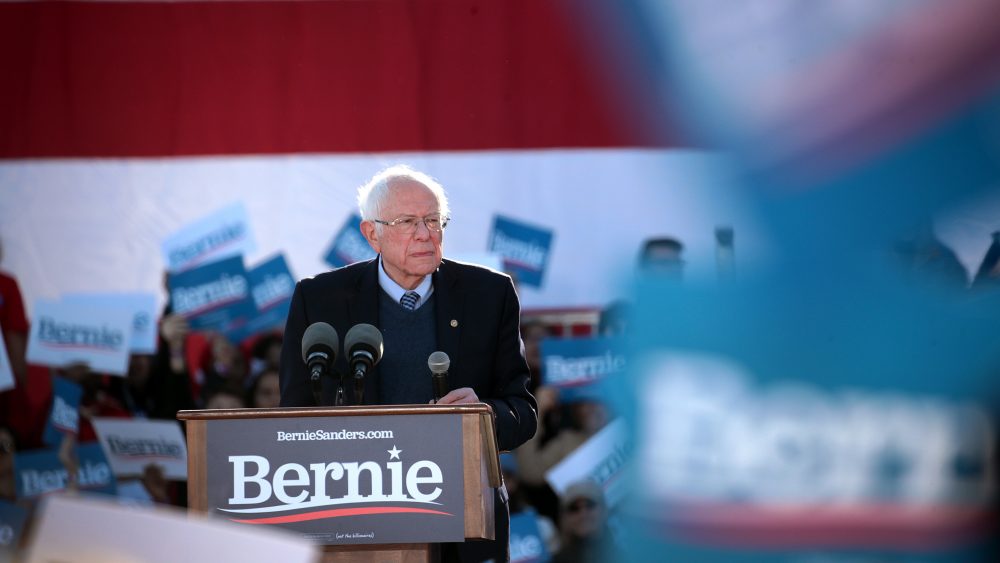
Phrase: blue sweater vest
(409, 339)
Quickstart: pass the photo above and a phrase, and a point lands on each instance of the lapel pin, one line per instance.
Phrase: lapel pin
(454, 323)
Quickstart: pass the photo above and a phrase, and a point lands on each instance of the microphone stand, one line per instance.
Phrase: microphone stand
(359, 387)
(317, 391)
(339, 400)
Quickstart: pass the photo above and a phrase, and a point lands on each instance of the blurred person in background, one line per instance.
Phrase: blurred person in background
(226, 397)
(168, 387)
(585, 417)
(580, 420)
(662, 256)
(265, 354)
(223, 366)
(14, 323)
(583, 525)
(8, 448)
(521, 503)
(533, 331)
(614, 318)
(265, 392)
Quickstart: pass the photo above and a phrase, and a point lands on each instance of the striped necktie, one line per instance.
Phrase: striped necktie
(409, 300)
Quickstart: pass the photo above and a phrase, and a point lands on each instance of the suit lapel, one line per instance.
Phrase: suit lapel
(362, 307)
(450, 301)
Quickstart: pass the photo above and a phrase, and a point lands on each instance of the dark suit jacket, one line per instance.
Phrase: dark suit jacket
(477, 316)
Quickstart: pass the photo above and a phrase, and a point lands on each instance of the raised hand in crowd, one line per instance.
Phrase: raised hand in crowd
(174, 330)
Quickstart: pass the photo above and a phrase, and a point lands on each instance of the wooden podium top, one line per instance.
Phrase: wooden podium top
(353, 410)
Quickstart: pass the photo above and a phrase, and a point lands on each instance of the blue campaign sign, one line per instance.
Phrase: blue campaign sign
(524, 248)
(526, 542)
(12, 519)
(64, 418)
(213, 297)
(41, 472)
(221, 234)
(271, 287)
(839, 419)
(349, 245)
(577, 365)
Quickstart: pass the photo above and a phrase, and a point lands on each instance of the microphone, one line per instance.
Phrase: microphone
(319, 349)
(363, 345)
(439, 363)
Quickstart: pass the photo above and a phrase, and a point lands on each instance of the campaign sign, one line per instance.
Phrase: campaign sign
(525, 249)
(40, 472)
(576, 365)
(349, 245)
(132, 444)
(142, 306)
(12, 519)
(271, 286)
(526, 543)
(343, 480)
(222, 234)
(64, 417)
(70, 333)
(213, 297)
(6, 372)
(601, 459)
(91, 528)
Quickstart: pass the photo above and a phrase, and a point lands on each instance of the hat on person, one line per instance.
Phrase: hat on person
(586, 489)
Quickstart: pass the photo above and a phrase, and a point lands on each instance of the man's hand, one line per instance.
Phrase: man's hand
(461, 396)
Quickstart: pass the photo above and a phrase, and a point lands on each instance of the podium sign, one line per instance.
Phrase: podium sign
(341, 480)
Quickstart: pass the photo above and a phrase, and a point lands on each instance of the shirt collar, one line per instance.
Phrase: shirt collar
(396, 291)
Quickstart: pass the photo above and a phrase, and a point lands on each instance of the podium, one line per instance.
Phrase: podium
(368, 483)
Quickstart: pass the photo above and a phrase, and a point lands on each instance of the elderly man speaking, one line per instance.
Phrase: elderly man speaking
(421, 303)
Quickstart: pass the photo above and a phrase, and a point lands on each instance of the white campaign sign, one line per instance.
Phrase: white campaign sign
(90, 529)
(132, 444)
(6, 373)
(220, 235)
(141, 305)
(600, 459)
(67, 333)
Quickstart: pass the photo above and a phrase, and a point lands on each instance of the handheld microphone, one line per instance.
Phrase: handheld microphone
(363, 344)
(439, 363)
(319, 349)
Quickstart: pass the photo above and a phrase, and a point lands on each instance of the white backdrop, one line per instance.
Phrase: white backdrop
(97, 224)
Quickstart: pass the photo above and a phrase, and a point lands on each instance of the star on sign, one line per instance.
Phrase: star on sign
(394, 453)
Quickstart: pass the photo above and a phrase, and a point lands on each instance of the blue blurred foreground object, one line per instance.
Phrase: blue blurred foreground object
(838, 402)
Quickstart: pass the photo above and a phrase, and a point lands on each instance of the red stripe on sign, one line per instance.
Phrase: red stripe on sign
(792, 526)
(337, 513)
(84, 79)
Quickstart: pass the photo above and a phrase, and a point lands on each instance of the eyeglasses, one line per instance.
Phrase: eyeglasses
(581, 504)
(408, 225)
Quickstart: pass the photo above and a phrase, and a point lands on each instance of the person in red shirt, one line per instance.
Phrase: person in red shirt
(15, 404)
(15, 326)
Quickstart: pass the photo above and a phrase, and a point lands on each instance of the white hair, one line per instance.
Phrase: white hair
(373, 195)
